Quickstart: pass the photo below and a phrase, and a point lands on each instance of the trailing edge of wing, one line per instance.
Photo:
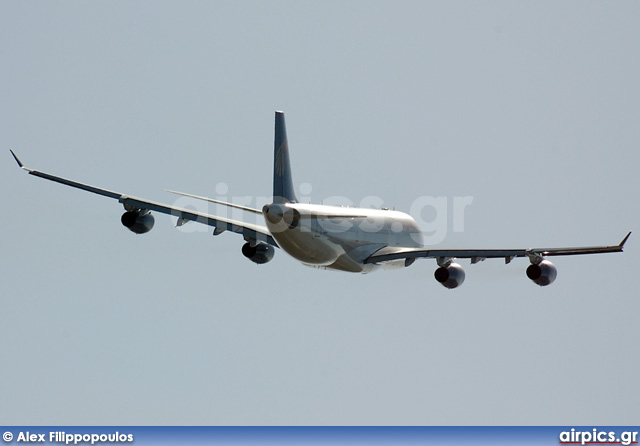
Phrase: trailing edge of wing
(387, 254)
(252, 231)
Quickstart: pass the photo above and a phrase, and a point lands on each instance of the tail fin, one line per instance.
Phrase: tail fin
(282, 185)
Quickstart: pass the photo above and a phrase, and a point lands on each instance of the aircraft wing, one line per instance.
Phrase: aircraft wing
(476, 255)
(248, 230)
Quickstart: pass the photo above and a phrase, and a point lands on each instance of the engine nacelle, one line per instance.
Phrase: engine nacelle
(451, 276)
(543, 273)
(138, 221)
(260, 253)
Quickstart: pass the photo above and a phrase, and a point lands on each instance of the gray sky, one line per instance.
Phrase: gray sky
(531, 108)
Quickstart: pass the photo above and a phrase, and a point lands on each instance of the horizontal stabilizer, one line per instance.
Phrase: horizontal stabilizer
(211, 200)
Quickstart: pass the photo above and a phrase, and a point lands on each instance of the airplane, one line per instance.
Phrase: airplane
(330, 237)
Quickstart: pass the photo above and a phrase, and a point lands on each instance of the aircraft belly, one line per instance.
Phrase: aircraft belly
(346, 263)
(308, 248)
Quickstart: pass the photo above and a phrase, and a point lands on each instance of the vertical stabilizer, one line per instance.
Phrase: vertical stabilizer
(282, 184)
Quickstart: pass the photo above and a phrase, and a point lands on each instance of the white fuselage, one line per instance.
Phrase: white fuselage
(340, 238)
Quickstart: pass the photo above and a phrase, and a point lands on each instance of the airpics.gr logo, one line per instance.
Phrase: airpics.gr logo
(596, 436)
(281, 153)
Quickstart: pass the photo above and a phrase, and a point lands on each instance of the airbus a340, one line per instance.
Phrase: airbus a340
(330, 237)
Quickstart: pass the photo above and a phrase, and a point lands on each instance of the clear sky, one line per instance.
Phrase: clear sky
(531, 108)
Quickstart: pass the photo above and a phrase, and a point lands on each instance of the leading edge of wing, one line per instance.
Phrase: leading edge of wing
(390, 253)
(253, 231)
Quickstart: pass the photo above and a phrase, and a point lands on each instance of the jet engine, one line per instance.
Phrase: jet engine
(259, 253)
(451, 276)
(543, 273)
(138, 221)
